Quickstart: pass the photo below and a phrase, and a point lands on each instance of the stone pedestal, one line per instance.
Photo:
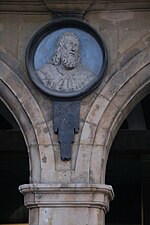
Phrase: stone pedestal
(71, 204)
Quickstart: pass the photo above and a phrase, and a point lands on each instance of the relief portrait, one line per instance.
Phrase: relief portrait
(64, 71)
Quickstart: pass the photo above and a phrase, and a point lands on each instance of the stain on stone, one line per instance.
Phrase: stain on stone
(39, 131)
(50, 221)
(97, 106)
(46, 130)
(44, 159)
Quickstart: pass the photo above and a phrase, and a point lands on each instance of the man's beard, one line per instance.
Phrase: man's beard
(70, 60)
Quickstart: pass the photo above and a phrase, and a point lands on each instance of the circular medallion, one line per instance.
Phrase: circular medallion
(66, 59)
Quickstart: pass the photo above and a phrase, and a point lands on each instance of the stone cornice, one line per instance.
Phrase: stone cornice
(70, 6)
(71, 195)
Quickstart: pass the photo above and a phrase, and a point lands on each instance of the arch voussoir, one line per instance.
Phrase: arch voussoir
(18, 98)
(119, 96)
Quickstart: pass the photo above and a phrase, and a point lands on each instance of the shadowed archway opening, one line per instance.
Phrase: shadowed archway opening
(14, 169)
(128, 169)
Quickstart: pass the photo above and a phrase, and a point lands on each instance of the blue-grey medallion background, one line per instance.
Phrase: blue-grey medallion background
(90, 53)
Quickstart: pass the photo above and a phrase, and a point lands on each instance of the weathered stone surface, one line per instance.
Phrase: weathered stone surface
(60, 165)
(77, 6)
(95, 164)
(35, 172)
(47, 158)
(81, 173)
(26, 29)
(9, 34)
(68, 195)
(97, 110)
(88, 131)
(126, 82)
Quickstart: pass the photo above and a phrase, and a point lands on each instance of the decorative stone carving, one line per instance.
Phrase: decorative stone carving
(65, 71)
(66, 59)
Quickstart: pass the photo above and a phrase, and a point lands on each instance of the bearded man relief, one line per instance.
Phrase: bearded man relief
(64, 72)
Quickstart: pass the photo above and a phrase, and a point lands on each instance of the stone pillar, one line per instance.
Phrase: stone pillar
(69, 204)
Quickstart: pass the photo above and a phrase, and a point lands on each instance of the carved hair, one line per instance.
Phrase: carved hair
(60, 45)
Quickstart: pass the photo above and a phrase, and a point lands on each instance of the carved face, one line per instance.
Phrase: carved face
(70, 51)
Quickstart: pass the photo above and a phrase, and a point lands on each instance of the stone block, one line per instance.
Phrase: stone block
(81, 173)
(97, 110)
(95, 164)
(88, 133)
(100, 136)
(60, 165)
(9, 33)
(27, 30)
(63, 176)
(47, 163)
(34, 162)
(43, 135)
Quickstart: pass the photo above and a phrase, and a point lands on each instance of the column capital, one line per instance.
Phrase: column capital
(67, 195)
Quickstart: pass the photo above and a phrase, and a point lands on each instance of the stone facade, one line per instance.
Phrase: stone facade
(74, 192)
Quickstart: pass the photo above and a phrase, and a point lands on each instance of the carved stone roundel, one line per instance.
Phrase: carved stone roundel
(66, 59)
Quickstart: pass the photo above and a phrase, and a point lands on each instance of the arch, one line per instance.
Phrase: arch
(22, 104)
(123, 91)
(14, 168)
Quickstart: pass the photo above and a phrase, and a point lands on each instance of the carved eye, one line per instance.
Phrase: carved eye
(69, 46)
